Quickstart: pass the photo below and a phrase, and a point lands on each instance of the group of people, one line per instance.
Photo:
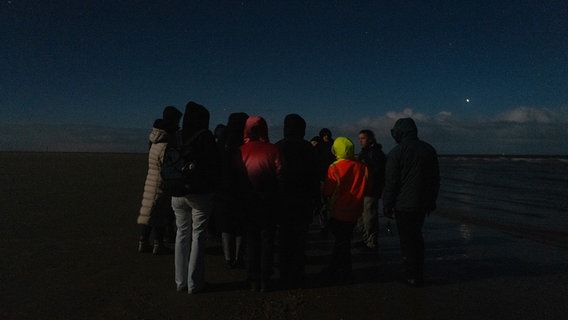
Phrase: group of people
(263, 195)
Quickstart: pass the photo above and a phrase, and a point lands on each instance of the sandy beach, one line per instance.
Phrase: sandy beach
(68, 251)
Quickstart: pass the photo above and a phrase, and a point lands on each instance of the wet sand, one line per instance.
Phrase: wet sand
(68, 251)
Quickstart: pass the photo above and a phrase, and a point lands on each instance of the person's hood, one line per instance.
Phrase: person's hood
(343, 148)
(256, 129)
(158, 135)
(294, 127)
(171, 116)
(325, 132)
(403, 129)
(195, 118)
(220, 133)
(235, 129)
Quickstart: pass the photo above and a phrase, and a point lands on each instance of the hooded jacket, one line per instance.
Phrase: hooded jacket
(374, 158)
(346, 182)
(324, 153)
(235, 130)
(299, 179)
(412, 177)
(151, 198)
(200, 141)
(261, 158)
(228, 204)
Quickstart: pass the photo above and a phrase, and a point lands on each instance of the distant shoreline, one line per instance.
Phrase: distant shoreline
(74, 152)
(441, 156)
(503, 156)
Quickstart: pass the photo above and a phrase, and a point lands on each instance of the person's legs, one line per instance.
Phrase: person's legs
(409, 226)
(200, 210)
(419, 249)
(143, 241)
(228, 243)
(253, 254)
(159, 247)
(298, 254)
(267, 254)
(369, 220)
(239, 251)
(283, 251)
(182, 213)
(341, 258)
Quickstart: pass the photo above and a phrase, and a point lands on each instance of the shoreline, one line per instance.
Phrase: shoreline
(556, 238)
(441, 156)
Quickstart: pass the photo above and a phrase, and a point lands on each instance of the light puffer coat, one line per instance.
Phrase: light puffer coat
(152, 187)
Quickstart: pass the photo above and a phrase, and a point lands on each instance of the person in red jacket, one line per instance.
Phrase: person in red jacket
(262, 164)
(344, 189)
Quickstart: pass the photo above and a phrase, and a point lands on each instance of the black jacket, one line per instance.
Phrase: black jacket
(299, 179)
(412, 177)
(199, 143)
(374, 158)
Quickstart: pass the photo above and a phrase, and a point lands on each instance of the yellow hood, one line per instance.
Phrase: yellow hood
(343, 148)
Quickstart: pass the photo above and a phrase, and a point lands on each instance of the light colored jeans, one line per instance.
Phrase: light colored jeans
(192, 215)
(369, 221)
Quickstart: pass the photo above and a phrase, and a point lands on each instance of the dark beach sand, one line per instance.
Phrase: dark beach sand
(68, 251)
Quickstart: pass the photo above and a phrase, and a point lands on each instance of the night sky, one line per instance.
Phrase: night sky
(477, 76)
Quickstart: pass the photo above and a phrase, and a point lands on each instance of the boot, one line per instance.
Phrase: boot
(143, 246)
(239, 261)
(227, 252)
(160, 249)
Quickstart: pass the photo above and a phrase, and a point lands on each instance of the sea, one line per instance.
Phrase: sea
(524, 195)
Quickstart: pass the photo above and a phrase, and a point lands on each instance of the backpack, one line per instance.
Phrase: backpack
(179, 166)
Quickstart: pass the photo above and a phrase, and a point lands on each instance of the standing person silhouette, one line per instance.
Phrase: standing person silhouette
(412, 181)
(193, 209)
(228, 204)
(262, 163)
(299, 193)
(373, 157)
(156, 211)
(344, 189)
(325, 157)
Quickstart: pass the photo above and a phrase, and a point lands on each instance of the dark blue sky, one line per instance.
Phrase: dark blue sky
(340, 64)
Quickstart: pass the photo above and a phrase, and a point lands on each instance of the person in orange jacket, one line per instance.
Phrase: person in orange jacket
(344, 190)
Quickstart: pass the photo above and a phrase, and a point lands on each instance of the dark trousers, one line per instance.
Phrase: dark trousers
(341, 256)
(260, 250)
(292, 238)
(409, 226)
(146, 231)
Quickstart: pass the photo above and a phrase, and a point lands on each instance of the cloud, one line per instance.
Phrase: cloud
(406, 113)
(522, 130)
(527, 115)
